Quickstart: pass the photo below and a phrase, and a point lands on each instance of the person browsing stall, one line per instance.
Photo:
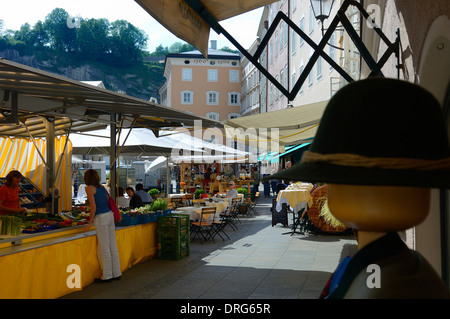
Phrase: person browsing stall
(105, 229)
(9, 194)
(135, 199)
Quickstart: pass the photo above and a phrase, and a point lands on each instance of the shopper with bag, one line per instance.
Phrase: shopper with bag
(103, 217)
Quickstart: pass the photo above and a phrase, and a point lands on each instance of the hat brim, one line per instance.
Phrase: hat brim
(337, 174)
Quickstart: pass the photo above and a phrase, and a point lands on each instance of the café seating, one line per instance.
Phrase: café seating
(251, 209)
(204, 227)
(219, 226)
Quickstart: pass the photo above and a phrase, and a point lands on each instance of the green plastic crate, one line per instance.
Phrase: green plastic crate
(173, 237)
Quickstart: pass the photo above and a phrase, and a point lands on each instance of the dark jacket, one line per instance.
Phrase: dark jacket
(403, 273)
(136, 201)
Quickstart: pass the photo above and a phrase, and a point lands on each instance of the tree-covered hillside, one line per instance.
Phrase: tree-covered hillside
(89, 50)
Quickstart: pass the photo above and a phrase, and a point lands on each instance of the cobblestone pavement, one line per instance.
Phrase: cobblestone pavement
(259, 261)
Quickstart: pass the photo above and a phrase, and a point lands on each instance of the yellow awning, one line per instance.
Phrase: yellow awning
(180, 19)
(294, 125)
(29, 156)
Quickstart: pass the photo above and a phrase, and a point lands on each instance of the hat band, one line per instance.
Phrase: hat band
(345, 159)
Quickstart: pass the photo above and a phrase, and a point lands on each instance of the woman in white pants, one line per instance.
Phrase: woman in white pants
(103, 217)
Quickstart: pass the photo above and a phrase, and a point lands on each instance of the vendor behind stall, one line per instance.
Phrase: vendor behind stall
(9, 194)
(135, 199)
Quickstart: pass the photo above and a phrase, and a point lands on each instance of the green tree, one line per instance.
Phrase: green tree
(127, 42)
(92, 41)
(62, 36)
(179, 47)
(160, 51)
(40, 35)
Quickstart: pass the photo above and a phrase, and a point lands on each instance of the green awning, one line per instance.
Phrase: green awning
(274, 157)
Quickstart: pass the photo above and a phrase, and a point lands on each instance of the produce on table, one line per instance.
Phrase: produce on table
(11, 225)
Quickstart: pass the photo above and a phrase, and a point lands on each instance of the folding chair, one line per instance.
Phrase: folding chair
(252, 209)
(219, 226)
(229, 215)
(244, 207)
(204, 224)
(235, 212)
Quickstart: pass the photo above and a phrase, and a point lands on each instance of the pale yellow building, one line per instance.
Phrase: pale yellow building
(206, 87)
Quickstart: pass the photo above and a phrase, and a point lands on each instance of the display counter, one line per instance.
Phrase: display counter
(42, 265)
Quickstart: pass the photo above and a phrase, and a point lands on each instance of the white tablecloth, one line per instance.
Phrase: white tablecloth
(296, 198)
(195, 212)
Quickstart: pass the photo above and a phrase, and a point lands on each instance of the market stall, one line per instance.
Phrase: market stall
(44, 266)
(192, 176)
(42, 262)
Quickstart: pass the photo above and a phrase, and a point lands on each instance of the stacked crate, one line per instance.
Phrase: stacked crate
(173, 236)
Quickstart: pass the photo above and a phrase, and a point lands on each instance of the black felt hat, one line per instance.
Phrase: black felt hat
(378, 131)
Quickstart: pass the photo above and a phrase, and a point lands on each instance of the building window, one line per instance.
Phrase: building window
(302, 27)
(186, 74)
(212, 98)
(233, 98)
(294, 45)
(319, 68)
(293, 5)
(233, 116)
(311, 21)
(277, 91)
(270, 52)
(300, 72)
(332, 50)
(212, 75)
(213, 116)
(276, 44)
(293, 79)
(282, 77)
(310, 78)
(285, 33)
(234, 76)
(187, 97)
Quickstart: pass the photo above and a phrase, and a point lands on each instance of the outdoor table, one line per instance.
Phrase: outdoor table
(195, 212)
(298, 198)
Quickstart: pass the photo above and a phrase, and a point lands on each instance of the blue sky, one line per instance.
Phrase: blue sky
(15, 13)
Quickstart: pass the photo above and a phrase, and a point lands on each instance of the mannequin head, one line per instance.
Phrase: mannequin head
(378, 209)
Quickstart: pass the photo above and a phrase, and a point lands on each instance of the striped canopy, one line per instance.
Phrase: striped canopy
(28, 156)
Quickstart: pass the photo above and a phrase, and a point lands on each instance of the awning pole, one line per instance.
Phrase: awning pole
(50, 150)
(112, 157)
(62, 155)
(168, 181)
